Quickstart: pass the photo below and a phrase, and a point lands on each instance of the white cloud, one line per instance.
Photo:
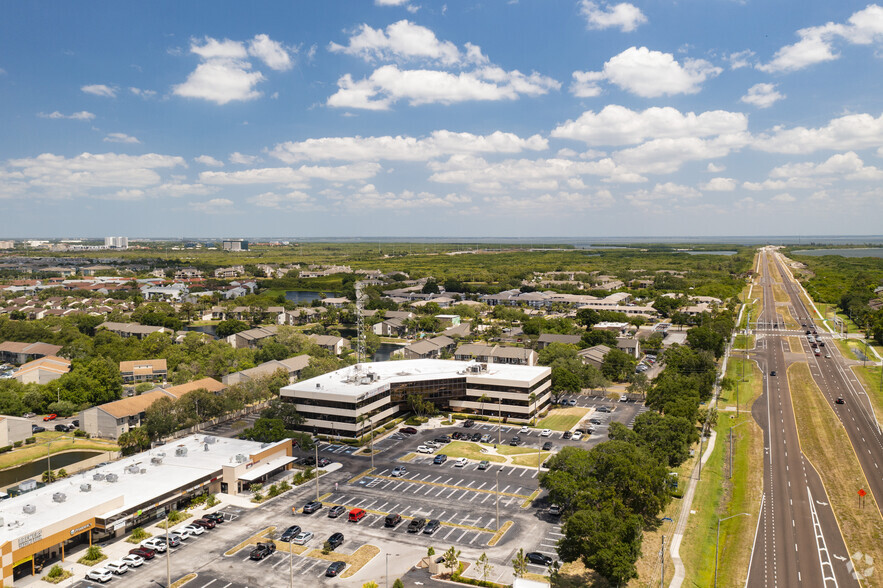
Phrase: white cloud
(714, 168)
(787, 184)
(400, 148)
(82, 115)
(126, 195)
(388, 84)
(405, 41)
(295, 200)
(586, 84)
(719, 185)
(241, 159)
(288, 175)
(847, 166)
(213, 206)
(214, 49)
(852, 131)
(209, 161)
(120, 138)
(390, 2)
(648, 74)
(740, 59)
(762, 95)
(176, 190)
(816, 44)
(625, 16)
(100, 90)
(618, 125)
(551, 203)
(664, 156)
(270, 52)
(142, 93)
(368, 197)
(784, 198)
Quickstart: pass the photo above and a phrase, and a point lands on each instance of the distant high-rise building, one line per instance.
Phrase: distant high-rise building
(7, 244)
(235, 245)
(116, 242)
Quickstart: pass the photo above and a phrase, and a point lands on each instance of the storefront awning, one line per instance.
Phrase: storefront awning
(265, 468)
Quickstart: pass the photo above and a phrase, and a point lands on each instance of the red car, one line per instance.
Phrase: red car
(408, 430)
(205, 523)
(50, 417)
(143, 552)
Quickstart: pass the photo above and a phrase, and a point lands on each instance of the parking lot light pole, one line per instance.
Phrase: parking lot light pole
(387, 567)
(168, 555)
(717, 541)
(500, 421)
(497, 494)
(316, 447)
(290, 566)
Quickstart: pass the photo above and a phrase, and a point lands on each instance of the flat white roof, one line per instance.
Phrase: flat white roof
(365, 378)
(134, 488)
(256, 472)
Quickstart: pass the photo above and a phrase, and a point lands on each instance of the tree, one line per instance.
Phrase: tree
(451, 558)
(285, 411)
(485, 568)
(230, 327)
(618, 365)
(134, 440)
(160, 418)
(607, 540)
(532, 397)
(398, 583)
(484, 398)
(519, 564)
(564, 381)
(266, 431)
(430, 287)
(638, 384)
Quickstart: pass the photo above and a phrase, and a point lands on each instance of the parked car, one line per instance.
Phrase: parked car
(577, 436)
(336, 511)
(443, 439)
(431, 443)
(571, 402)
(154, 544)
(485, 438)
(290, 533)
(416, 525)
(179, 536)
(398, 471)
(540, 559)
(468, 423)
(312, 506)
(555, 510)
(302, 538)
(461, 462)
(623, 398)
(262, 550)
(476, 437)
(424, 449)
(308, 461)
(75, 422)
(515, 441)
(392, 519)
(336, 540)
(61, 428)
(334, 569)
(525, 429)
(194, 529)
(144, 553)
(356, 515)
(603, 409)
(117, 568)
(547, 446)
(595, 421)
(204, 523)
(323, 461)
(50, 417)
(545, 432)
(567, 435)
(99, 575)
(408, 430)
(132, 560)
(484, 464)
(773, 373)
(171, 542)
(458, 435)
(431, 527)
(37, 429)
(440, 458)
(216, 517)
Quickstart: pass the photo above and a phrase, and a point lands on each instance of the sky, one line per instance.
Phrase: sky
(492, 118)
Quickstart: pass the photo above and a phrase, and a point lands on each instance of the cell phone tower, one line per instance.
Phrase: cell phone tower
(360, 323)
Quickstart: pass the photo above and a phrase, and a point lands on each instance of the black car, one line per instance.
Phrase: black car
(416, 525)
(37, 429)
(61, 428)
(311, 507)
(443, 439)
(440, 458)
(263, 550)
(468, 423)
(308, 461)
(335, 540)
(773, 373)
(335, 568)
(595, 421)
(336, 511)
(324, 461)
(215, 517)
(603, 409)
(290, 533)
(408, 430)
(547, 446)
(515, 441)
(839, 400)
(431, 527)
(540, 559)
(567, 435)
(392, 519)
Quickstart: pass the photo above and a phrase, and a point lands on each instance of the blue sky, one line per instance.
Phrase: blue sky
(414, 118)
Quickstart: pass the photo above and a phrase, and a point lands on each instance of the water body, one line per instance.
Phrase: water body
(36, 468)
(712, 252)
(207, 329)
(385, 351)
(856, 252)
(305, 296)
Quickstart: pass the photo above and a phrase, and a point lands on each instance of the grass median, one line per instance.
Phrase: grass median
(826, 445)
(743, 342)
(794, 344)
(870, 378)
(469, 451)
(563, 419)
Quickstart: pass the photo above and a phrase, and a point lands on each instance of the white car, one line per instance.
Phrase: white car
(133, 561)
(424, 449)
(525, 429)
(623, 398)
(99, 575)
(302, 538)
(430, 443)
(117, 567)
(155, 544)
(545, 432)
(193, 529)
(461, 462)
(577, 436)
(179, 535)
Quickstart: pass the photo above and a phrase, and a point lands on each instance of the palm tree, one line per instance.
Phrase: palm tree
(533, 398)
(484, 398)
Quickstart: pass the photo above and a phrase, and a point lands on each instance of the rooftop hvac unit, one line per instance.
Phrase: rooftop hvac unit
(97, 477)
(1, 522)
(133, 469)
(85, 487)
(111, 478)
(209, 439)
(180, 452)
(143, 471)
(59, 497)
(29, 509)
(240, 458)
(28, 485)
(156, 460)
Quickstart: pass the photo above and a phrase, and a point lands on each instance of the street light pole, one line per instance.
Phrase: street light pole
(168, 555)
(371, 425)
(497, 494)
(500, 421)
(717, 541)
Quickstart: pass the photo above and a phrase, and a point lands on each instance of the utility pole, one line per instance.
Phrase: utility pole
(497, 494)
(717, 542)
(662, 563)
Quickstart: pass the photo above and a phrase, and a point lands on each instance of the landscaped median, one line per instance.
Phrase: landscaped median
(354, 562)
(563, 419)
(471, 451)
(253, 540)
(181, 581)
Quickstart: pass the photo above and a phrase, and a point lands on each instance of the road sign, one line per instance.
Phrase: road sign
(861, 492)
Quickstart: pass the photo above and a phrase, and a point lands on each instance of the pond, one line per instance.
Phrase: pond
(304, 296)
(853, 252)
(207, 329)
(385, 350)
(712, 252)
(36, 468)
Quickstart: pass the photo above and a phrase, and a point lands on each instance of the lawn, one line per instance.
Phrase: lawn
(779, 294)
(743, 342)
(469, 451)
(749, 388)
(794, 344)
(826, 445)
(869, 376)
(531, 459)
(563, 419)
(28, 453)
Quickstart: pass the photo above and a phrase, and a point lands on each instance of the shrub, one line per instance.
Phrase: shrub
(56, 571)
(211, 501)
(139, 534)
(175, 516)
(284, 486)
(273, 491)
(398, 583)
(30, 440)
(81, 433)
(17, 443)
(5, 448)
(326, 548)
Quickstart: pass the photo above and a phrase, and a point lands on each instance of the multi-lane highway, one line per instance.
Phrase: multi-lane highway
(797, 542)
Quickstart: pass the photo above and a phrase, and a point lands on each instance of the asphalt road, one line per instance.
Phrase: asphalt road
(797, 541)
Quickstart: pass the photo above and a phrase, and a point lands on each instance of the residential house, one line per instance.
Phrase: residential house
(393, 327)
(332, 343)
(448, 320)
(251, 337)
(132, 329)
(629, 345)
(496, 354)
(19, 353)
(619, 328)
(229, 272)
(301, 316)
(145, 370)
(215, 313)
(14, 430)
(43, 370)
(112, 419)
(460, 331)
(293, 366)
(547, 339)
(92, 270)
(335, 302)
(187, 273)
(210, 384)
(594, 355)
(429, 348)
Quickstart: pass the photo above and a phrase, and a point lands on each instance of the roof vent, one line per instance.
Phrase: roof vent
(209, 439)
(240, 458)
(29, 509)
(133, 469)
(156, 460)
(59, 497)
(143, 471)
(97, 477)
(85, 487)
(181, 451)
(205, 447)
(111, 478)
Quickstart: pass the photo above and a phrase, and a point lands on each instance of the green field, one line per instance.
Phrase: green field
(562, 419)
(469, 451)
